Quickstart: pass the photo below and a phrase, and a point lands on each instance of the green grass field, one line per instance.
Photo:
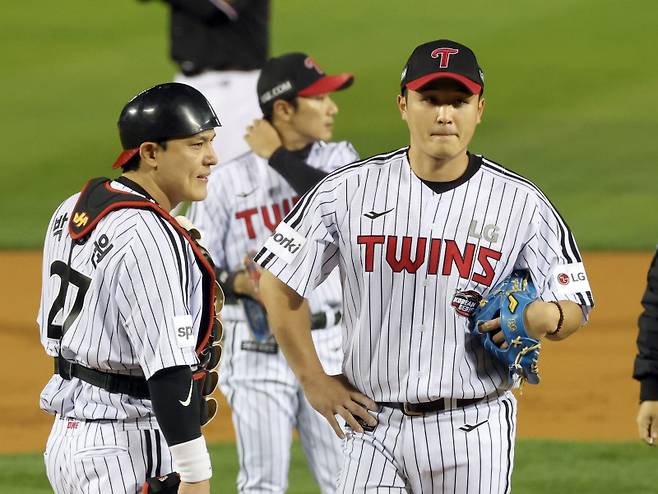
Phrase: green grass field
(571, 95)
(542, 467)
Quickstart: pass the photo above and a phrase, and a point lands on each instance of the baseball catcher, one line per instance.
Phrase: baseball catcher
(511, 345)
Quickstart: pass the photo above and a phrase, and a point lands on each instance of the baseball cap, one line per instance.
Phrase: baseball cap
(296, 74)
(439, 59)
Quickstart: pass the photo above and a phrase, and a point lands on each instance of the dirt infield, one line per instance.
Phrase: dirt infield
(586, 390)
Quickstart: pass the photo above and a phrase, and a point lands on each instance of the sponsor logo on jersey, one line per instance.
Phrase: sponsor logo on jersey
(570, 278)
(184, 331)
(466, 302)
(101, 247)
(247, 194)
(469, 428)
(286, 243)
(374, 215)
(488, 232)
(80, 219)
(445, 255)
(563, 278)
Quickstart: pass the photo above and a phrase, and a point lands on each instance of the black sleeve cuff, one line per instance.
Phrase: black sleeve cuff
(649, 390)
(175, 399)
(299, 174)
(226, 280)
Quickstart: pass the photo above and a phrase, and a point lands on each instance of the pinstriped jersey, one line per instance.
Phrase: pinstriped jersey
(246, 201)
(405, 253)
(133, 306)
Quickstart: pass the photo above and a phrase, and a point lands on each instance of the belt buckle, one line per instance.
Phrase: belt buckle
(410, 413)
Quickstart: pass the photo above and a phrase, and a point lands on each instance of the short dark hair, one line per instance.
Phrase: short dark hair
(133, 163)
(267, 115)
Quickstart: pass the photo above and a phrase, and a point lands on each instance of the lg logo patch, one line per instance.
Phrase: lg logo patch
(565, 279)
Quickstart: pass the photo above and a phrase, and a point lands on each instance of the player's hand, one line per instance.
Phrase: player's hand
(497, 335)
(202, 487)
(539, 318)
(263, 139)
(247, 282)
(647, 422)
(334, 395)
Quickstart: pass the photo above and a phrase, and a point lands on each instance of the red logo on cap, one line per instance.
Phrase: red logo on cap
(563, 278)
(310, 64)
(444, 53)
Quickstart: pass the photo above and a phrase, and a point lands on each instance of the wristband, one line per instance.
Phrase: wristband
(191, 460)
(560, 320)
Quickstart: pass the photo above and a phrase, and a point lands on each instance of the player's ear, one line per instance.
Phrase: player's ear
(481, 104)
(148, 152)
(402, 106)
(283, 110)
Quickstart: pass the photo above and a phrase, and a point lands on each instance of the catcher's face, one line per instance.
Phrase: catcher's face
(441, 117)
(183, 168)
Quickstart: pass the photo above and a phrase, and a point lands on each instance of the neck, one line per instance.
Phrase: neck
(433, 169)
(291, 139)
(149, 185)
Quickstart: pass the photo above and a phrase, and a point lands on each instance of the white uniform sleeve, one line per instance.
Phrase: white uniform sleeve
(342, 153)
(211, 217)
(303, 249)
(551, 254)
(153, 299)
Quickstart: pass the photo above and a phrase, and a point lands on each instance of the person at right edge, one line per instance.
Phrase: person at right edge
(646, 361)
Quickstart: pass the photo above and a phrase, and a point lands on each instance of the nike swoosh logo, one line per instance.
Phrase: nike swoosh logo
(373, 215)
(469, 428)
(245, 194)
(189, 396)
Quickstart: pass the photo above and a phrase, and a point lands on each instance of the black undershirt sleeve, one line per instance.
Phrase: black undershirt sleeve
(175, 401)
(294, 169)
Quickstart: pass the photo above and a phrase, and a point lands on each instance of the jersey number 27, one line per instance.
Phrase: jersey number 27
(81, 282)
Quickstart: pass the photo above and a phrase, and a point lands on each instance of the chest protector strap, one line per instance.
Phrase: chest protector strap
(97, 200)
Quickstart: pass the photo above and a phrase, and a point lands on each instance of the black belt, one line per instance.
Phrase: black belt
(415, 409)
(319, 320)
(133, 386)
(193, 71)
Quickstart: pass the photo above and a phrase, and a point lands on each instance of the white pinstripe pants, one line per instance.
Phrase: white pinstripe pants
(100, 457)
(267, 403)
(431, 454)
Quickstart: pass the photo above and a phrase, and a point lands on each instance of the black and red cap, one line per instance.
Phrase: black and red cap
(442, 58)
(296, 74)
(163, 112)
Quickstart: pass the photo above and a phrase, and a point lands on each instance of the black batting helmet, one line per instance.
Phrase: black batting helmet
(163, 112)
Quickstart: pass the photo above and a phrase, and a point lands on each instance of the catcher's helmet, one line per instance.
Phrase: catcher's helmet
(166, 111)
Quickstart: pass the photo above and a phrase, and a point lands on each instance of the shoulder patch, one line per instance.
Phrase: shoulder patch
(285, 243)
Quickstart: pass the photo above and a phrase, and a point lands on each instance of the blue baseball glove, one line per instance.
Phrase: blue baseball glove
(508, 301)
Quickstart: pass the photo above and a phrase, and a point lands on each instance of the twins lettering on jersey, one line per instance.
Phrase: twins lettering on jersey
(270, 215)
(445, 254)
